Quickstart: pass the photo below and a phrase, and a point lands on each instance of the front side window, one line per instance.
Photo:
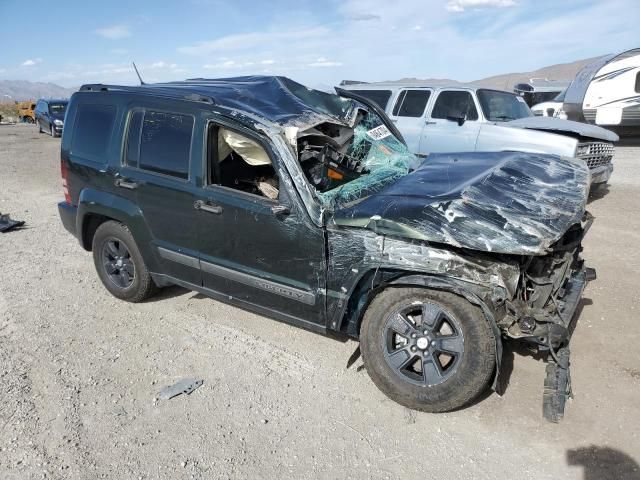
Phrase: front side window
(92, 130)
(455, 104)
(638, 82)
(379, 97)
(502, 106)
(411, 103)
(241, 163)
(160, 142)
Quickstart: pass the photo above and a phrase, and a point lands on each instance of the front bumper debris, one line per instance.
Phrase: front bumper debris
(557, 384)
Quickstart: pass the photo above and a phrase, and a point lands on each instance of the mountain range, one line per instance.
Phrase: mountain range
(24, 89)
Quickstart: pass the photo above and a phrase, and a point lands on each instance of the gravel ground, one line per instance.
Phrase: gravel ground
(80, 371)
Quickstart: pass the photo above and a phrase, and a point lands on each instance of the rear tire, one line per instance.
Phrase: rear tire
(444, 356)
(119, 263)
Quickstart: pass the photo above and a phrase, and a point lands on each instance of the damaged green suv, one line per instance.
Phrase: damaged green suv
(307, 207)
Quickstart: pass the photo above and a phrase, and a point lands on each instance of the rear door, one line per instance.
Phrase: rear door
(256, 249)
(158, 153)
(443, 131)
(408, 113)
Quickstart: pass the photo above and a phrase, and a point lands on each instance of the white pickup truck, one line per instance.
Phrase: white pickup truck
(445, 119)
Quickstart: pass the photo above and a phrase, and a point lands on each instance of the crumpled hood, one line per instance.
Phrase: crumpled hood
(558, 125)
(506, 202)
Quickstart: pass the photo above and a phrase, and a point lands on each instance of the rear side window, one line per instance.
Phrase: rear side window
(160, 142)
(455, 103)
(379, 97)
(411, 103)
(92, 131)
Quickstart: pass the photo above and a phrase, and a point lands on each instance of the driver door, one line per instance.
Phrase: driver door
(263, 252)
(443, 132)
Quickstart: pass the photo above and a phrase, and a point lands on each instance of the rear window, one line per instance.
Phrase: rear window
(160, 142)
(379, 97)
(411, 103)
(92, 131)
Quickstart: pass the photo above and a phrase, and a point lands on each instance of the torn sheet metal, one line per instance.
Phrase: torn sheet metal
(7, 224)
(185, 386)
(501, 202)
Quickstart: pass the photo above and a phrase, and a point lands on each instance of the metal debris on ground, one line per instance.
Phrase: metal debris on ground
(186, 386)
(7, 224)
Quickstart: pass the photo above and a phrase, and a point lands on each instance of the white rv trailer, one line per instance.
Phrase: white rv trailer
(607, 93)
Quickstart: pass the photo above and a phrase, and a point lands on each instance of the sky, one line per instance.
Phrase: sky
(318, 43)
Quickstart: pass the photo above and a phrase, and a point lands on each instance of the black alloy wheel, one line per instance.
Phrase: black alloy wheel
(117, 263)
(423, 343)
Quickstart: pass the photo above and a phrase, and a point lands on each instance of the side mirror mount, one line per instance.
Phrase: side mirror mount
(457, 117)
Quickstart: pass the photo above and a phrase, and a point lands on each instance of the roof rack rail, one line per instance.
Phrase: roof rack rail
(165, 90)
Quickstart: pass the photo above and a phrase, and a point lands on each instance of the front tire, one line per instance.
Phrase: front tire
(426, 349)
(119, 263)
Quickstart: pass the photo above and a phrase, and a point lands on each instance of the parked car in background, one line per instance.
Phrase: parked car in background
(49, 115)
(538, 90)
(26, 112)
(552, 108)
(607, 93)
(308, 207)
(444, 119)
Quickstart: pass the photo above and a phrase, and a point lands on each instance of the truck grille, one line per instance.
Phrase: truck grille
(595, 154)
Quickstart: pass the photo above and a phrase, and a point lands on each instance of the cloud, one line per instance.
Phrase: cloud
(323, 62)
(461, 5)
(161, 64)
(115, 32)
(362, 17)
(31, 62)
(251, 41)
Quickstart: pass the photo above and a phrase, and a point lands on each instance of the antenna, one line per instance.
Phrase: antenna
(138, 73)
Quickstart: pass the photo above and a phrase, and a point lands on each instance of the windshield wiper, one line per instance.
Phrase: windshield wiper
(503, 117)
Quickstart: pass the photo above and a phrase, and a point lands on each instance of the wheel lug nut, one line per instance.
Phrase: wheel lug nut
(425, 332)
(414, 348)
(413, 335)
(433, 343)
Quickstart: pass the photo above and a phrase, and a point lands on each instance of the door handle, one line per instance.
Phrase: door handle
(206, 207)
(126, 184)
(429, 123)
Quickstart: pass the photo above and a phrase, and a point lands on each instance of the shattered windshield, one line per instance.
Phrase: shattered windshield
(502, 106)
(347, 164)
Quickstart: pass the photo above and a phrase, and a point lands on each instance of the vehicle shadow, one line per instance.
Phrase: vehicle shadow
(598, 192)
(628, 142)
(604, 463)
(166, 293)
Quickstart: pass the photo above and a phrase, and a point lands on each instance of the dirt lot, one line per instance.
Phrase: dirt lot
(80, 371)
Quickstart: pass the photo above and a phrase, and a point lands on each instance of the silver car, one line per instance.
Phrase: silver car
(445, 119)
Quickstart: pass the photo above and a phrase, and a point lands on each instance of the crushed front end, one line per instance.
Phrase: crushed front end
(542, 313)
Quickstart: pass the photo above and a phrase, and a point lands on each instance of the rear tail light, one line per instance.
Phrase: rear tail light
(64, 171)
